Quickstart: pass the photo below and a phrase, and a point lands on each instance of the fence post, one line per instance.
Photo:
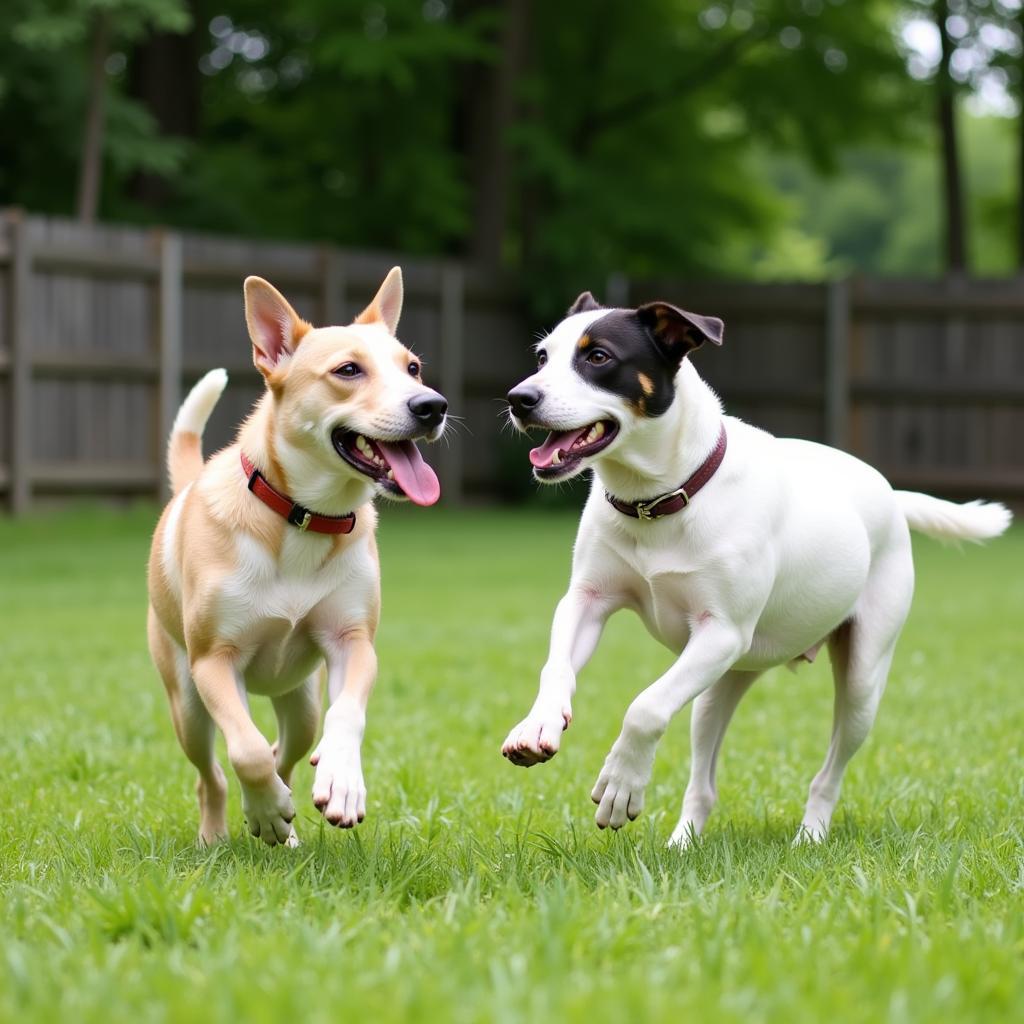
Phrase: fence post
(21, 365)
(452, 383)
(333, 287)
(169, 344)
(616, 290)
(837, 364)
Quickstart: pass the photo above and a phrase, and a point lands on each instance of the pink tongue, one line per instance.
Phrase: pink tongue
(412, 474)
(542, 456)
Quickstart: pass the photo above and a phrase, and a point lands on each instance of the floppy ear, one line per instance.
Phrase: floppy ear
(584, 304)
(275, 328)
(677, 332)
(386, 307)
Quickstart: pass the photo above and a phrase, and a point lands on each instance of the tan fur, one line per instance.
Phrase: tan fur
(217, 521)
(184, 459)
(646, 384)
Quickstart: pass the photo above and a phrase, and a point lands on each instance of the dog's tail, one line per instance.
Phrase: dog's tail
(946, 520)
(185, 445)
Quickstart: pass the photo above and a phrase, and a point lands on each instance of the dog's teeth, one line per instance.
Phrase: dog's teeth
(391, 474)
(363, 445)
(597, 431)
(556, 459)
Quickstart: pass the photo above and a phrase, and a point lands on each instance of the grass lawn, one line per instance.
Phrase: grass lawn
(477, 891)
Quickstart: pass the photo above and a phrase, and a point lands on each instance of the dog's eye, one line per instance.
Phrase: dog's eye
(598, 357)
(414, 369)
(348, 370)
(542, 358)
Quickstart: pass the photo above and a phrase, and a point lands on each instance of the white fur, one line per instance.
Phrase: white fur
(944, 520)
(199, 403)
(791, 544)
(169, 554)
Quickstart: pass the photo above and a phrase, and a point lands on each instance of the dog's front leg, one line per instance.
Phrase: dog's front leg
(338, 788)
(575, 631)
(266, 800)
(712, 649)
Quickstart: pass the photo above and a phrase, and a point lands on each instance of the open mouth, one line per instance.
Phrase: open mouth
(563, 451)
(396, 465)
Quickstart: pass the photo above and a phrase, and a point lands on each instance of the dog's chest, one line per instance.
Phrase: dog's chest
(662, 586)
(267, 603)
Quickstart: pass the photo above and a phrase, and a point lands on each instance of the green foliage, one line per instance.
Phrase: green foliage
(880, 213)
(476, 891)
(44, 49)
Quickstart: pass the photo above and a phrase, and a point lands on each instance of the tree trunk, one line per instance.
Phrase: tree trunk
(90, 174)
(952, 183)
(1020, 151)
(489, 111)
(164, 76)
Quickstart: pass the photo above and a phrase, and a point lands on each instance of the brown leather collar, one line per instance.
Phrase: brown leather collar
(666, 504)
(296, 514)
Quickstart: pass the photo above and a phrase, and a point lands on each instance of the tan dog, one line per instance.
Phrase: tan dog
(264, 564)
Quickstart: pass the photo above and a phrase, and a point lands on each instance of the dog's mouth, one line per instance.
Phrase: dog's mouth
(397, 466)
(563, 451)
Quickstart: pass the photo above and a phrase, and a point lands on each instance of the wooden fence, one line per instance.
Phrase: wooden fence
(924, 379)
(101, 330)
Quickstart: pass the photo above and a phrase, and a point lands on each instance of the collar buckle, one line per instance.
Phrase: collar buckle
(646, 509)
(300, 517)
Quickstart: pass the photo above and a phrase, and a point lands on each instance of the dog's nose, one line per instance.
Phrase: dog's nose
(524, 398)
(429, 408)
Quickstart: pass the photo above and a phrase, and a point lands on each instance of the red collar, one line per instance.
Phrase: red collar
(295, 513)
(666, 504)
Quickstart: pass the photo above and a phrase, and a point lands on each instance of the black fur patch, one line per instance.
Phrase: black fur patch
(636, 368)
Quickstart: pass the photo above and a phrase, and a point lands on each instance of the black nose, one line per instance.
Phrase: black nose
(429, 408)
(524, 399)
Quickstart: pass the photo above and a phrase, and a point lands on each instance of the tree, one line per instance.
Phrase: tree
(57, 53)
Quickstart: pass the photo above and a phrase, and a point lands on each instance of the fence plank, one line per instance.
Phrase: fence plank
(452, 305)
(837, 365)
(21, 366)
(169, 347)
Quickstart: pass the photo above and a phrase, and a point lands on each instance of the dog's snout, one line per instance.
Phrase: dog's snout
(524, 398)
(429, 408)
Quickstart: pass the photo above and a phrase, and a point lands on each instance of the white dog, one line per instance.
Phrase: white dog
(787, 546)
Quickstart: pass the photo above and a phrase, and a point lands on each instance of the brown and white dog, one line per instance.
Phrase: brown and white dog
(264, 564)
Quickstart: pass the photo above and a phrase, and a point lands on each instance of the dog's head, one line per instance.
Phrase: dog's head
(350, 399)
(602, 376)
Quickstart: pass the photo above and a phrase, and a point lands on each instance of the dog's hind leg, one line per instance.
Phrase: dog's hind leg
(195, 731)
(298, 719)
(861, 652)
(712, 712)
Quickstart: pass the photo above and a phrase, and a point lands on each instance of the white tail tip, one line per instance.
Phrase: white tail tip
(199, 403)
(946, 520)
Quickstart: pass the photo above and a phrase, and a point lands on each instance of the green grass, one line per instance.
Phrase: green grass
(477, 891)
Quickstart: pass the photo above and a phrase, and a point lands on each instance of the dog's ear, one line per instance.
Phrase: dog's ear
(584, 304)
(677, 332)
(275, 328)
(386, 306)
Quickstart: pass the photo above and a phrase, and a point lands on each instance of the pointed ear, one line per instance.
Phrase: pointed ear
(676, 332)
(275, 328)
(386, 307)
(584, 304)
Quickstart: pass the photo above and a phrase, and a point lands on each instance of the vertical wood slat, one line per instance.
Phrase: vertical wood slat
(333, 288)
(837, 364)
(169, 345)
(21, 365)
(452, 325)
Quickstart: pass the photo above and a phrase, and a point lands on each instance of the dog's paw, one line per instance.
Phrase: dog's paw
(619, 790)
(339, 792)
(269, 811)
(537, 737)
(811, 834)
